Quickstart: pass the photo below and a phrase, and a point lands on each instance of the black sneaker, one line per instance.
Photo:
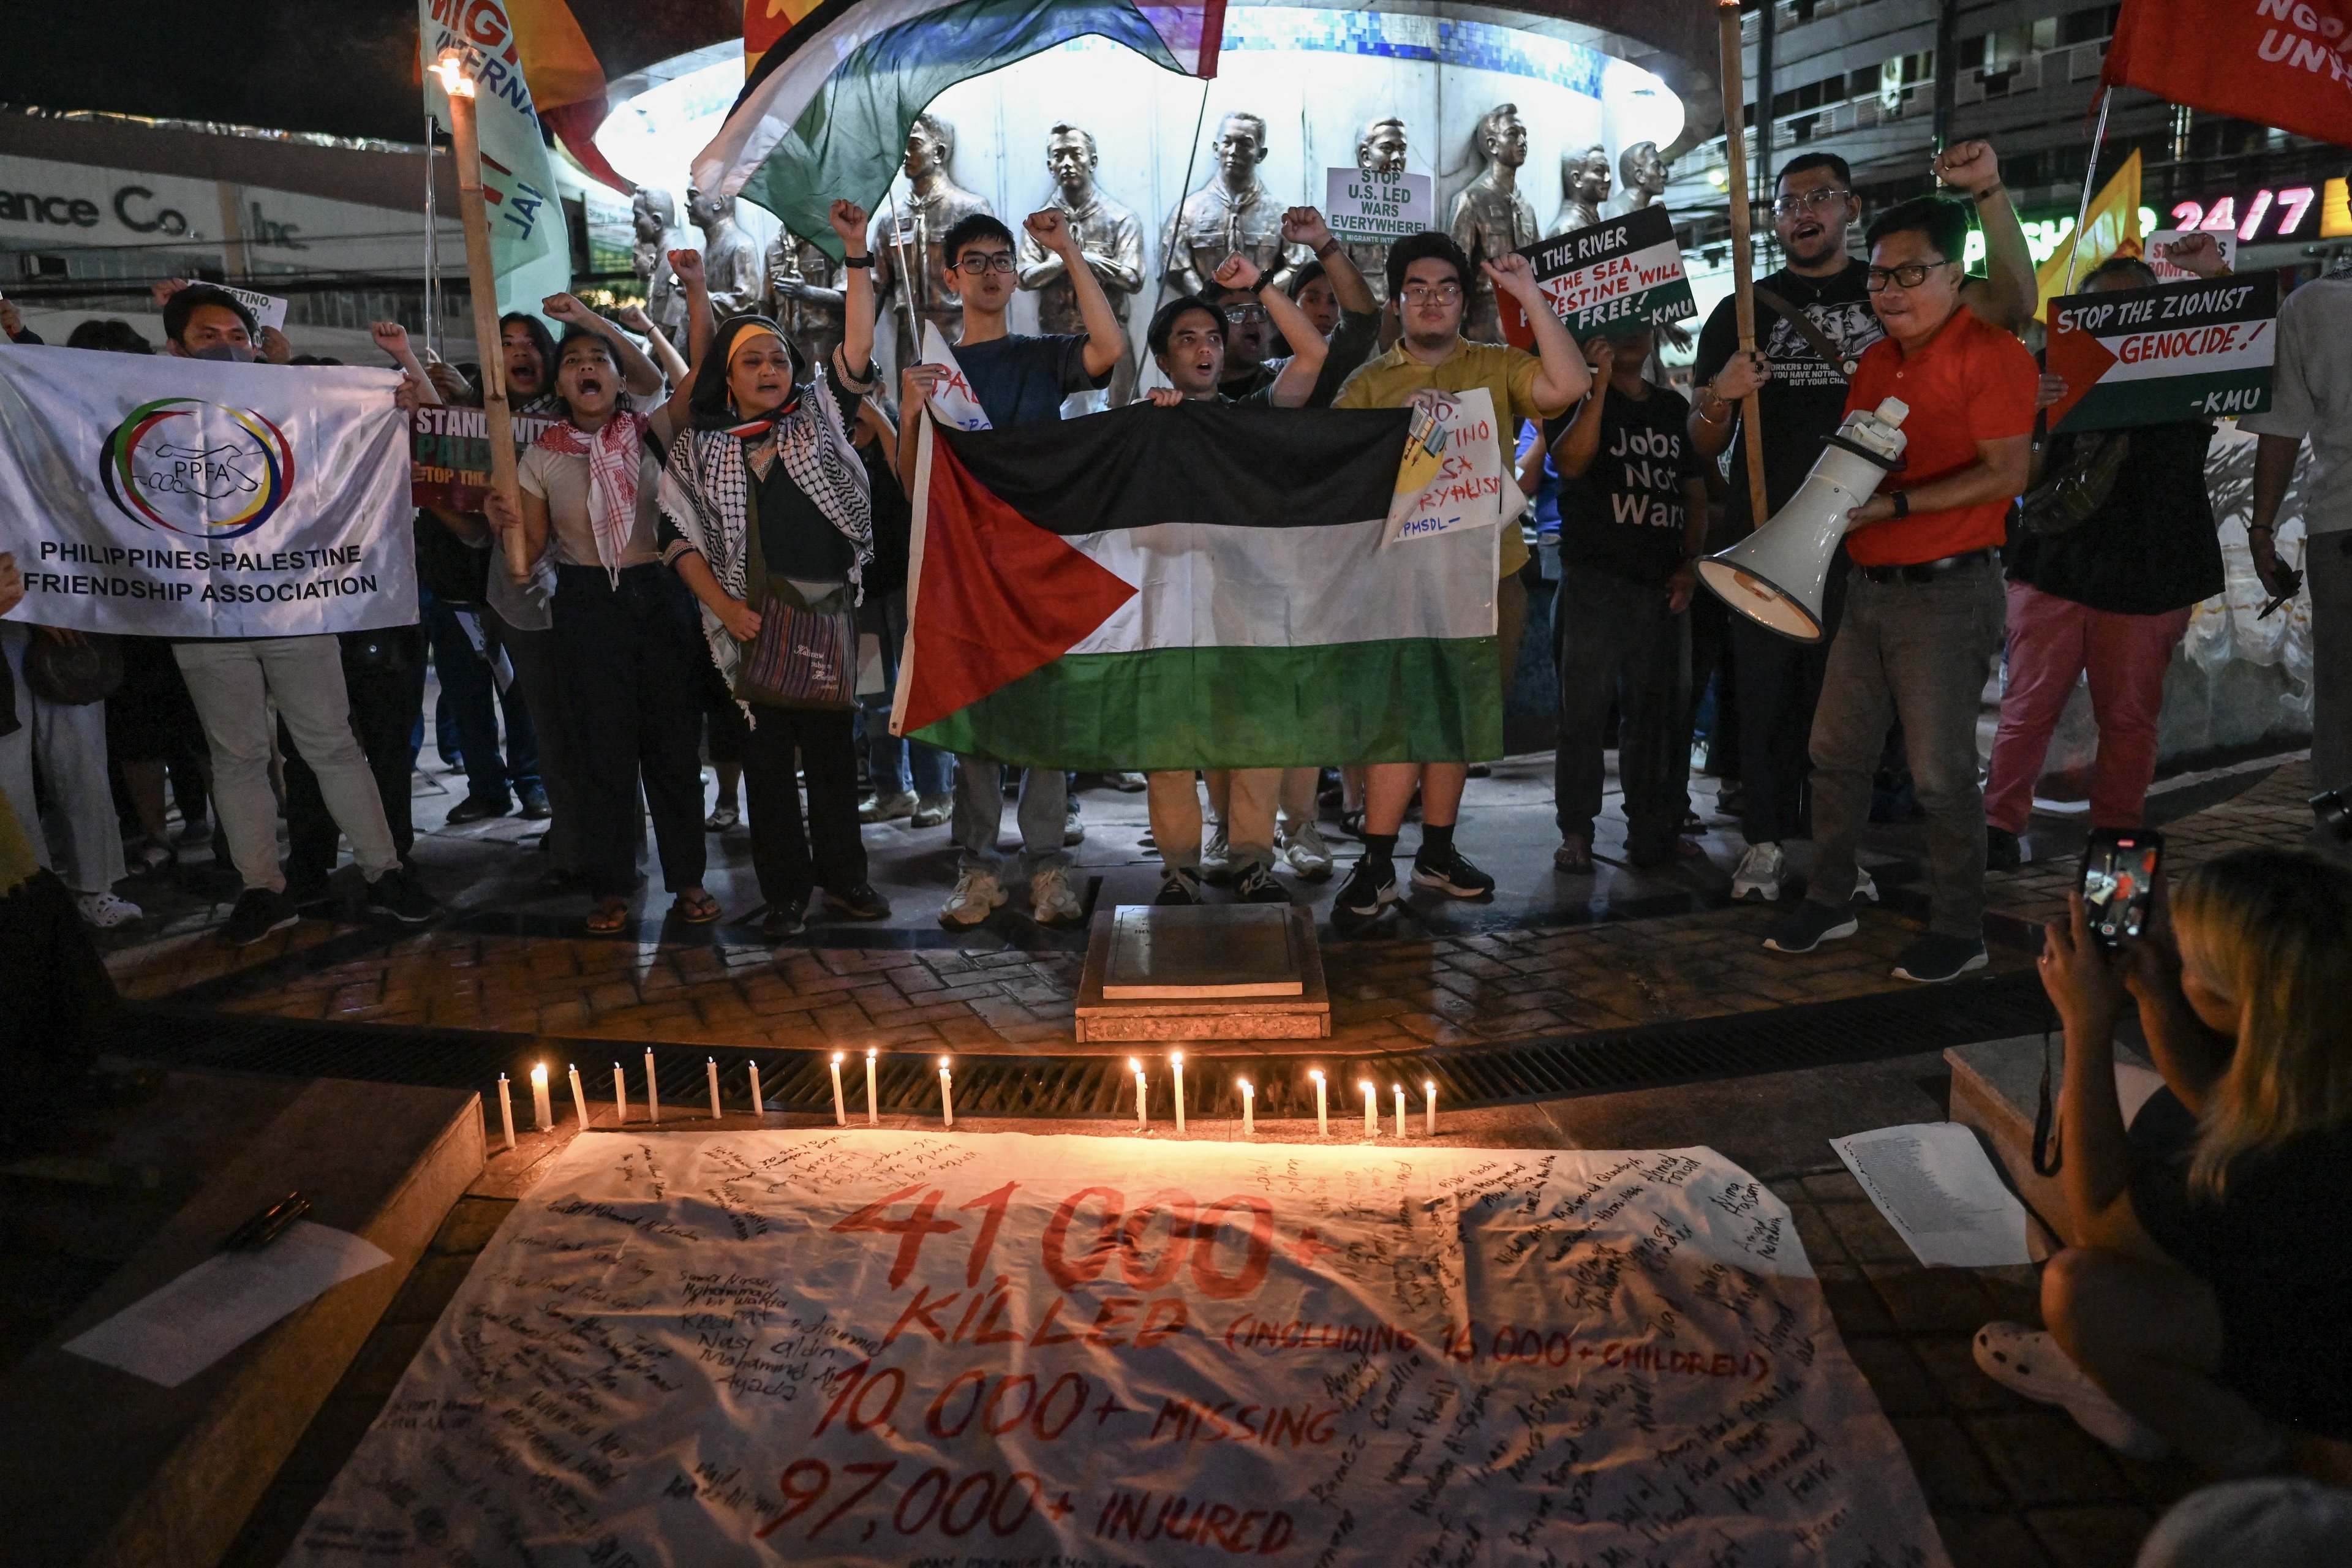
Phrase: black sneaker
(1808, 926)
(1257, 886)
(395, 895)
(258, 912)
(1935, 958)
(1178, 887)
(1450, 873)
(2004, 851)
(475, 808)
(534, 804)
(859, 903)
(783, 922)
(1365, 894)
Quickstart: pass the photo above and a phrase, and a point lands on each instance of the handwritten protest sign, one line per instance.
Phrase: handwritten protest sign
(1450, 479)
(1387, 206)
(953, 403)
(1614, 277)
(449, 455)
(868, 1347)
(2198, 350)
(268, 310)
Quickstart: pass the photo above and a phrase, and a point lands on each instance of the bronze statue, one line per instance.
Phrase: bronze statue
(652, 214)
(1110, 237)
(804, 294)
(1642, 179)
(1380, 150)
(1491, 217)
(731, 262)
(1233, 215)
(1584, 176)
(913, 246)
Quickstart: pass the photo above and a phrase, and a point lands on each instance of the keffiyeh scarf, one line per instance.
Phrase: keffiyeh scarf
(613, 455)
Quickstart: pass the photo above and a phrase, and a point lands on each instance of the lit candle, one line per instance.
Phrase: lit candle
(947, 1094)
(1400, 1107)
(620, 1096)
(1138, 1067)
(873, 1116)
(506, 1109)
(710, 1068)
(653, 1091)
(1322, 1111)
(1177, 1061)
(1429, 1125)
(579, 1098)
(542, 1113)
(1371, 1120)
(840, 1111)
(1249, 1117)
(759, 1100)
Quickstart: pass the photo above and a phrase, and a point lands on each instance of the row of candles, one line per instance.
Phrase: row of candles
(543, 1113)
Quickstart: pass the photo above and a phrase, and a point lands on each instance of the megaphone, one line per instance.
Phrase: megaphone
(1776, 575)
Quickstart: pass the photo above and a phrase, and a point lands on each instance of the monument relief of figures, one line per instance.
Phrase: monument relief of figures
(730, 261)
(1233, 215)
(652, 214)
(1642, 179)
(1110, 237)
(1379, 151)
(804, 295)
(1584, 180)
(913, 244)
(1491, 216)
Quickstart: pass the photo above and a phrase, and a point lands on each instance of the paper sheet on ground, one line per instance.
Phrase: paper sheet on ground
(872, 1347)
(175, 1332)
(1935, 1185)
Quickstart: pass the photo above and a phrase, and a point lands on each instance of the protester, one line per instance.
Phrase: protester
(1924, 609)
(765, 515)
(1428, 278)
(2114, 547)
(1633, 519)
(1018, 380)
(2196, 1309)
(911, 781)
(1816, 303)
(62, 736)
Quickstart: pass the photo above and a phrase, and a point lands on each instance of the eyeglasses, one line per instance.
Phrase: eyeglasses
(1910, 275)
(981, 265)
(1424, 293)
(1790, 206)
(1243, 315)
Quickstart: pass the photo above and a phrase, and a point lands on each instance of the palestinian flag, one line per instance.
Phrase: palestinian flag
(1200, 586)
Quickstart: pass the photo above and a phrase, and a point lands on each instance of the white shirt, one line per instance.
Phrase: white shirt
(2311, 397)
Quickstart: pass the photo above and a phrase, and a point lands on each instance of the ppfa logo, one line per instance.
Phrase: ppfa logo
(198, 469)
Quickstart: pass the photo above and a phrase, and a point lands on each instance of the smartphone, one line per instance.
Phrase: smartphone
(2119, 879)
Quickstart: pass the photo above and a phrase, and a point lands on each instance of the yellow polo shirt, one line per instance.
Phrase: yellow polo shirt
(1508, 374)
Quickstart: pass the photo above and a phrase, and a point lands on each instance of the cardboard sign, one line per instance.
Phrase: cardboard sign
(268, 310)
(2198, 350)
(1451, 478)
(1360, 205)
(1616, 276)
(449, 455)
(952, 402)
(2166, 272)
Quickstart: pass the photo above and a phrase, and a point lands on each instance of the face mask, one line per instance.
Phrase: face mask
(234, 353)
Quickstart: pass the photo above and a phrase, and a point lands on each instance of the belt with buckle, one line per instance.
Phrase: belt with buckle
(1928, 571)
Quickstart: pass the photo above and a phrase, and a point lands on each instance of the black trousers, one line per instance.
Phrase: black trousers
(631, 659)
(830, 852)
(384, 673)
(1619, 642)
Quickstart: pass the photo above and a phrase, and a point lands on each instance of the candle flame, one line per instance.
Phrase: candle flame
(1365, 1084)
(1317, 1074)
(871, 1053)
(1178, 1058)
(839, 1058)
(943, 1064)
(1429, 1084)
(539, 1074)
(1398, 1086)
(1133, 1066)
(451, 68)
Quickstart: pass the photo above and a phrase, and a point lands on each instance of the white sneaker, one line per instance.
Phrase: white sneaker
(1759, 873)
(1303, 847)
(976, 894)
(1215, 857)
(887, 807)
(104, 911)
(1051, 901)
(2029, 1362)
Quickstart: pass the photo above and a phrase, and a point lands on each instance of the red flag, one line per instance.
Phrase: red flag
(567, 84)
(2274, 62)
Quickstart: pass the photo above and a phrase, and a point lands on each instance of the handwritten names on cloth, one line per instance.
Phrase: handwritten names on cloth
(883, 1348)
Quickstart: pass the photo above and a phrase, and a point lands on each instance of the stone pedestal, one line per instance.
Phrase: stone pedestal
(1207, 972)
(1997, 1089)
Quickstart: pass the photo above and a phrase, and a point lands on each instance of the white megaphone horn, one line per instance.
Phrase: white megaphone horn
(1775, 576)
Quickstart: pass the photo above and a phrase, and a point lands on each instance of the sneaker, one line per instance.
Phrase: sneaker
(722, 818)
(1865, 887)
(1256, 885)
(2004, 850)
(976, 894)
(478, 807)
(887, 807)
(1178, 887)
(258, 912)
(783, 922)
(859, 903)
(1128, 784)
(1309, 857)
(1364, 895)
(1073, 832)
(1450, 873)
(397, 894)
(534, 803)
(2029, 1362)
(1216, 856)
(1936, 957)
(930, 810)
(104, 911)
(1759, 873)
(1808, 926)
(1051, 902)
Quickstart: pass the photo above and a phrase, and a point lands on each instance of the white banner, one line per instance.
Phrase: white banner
(163, 497)
(869, 1347)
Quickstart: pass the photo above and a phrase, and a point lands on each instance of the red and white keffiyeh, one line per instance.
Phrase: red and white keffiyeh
(614, 453)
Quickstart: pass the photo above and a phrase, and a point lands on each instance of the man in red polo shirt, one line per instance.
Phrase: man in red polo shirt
(1923, 614)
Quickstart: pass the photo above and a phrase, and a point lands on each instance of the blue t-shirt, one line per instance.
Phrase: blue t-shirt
(1022, 380)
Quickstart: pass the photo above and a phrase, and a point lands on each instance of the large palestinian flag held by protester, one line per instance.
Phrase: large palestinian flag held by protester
(1199, 586)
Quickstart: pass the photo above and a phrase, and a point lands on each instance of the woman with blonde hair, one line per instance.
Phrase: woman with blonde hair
(2200, 1308)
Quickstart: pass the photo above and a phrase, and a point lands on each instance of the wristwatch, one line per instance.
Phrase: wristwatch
(1902, 499)
(1324, 250)
(865, 260)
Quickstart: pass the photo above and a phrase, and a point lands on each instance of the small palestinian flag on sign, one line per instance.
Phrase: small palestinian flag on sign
(1200, 586)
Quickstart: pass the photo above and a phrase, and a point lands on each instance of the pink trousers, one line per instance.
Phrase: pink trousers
(2051, 641)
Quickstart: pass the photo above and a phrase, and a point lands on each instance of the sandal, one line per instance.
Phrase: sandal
(1574, 855)
(609, 918)
(695, 908)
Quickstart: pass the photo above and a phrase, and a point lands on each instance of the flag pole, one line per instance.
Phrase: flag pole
(1743, 267)
(432, 251)
(2090, 175)
(482, 283)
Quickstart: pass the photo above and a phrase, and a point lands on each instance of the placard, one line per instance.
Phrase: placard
(449, 455)
(1360, 205)
(1451, 478)
(2225, 242)
(1618, 276)
(268, 310)
(2196, 349)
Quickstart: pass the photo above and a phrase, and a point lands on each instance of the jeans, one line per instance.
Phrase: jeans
(1244, 800)
(830, 853)
(1778, 685)
(69, 740)
(630, 658)
(897, 766)
(231, 683)
(387, 692)
(2328, 571)
(2051, 642)
(1619, 641)
(980, 816)
(1918, 652)
(533, 656)
(470, 689)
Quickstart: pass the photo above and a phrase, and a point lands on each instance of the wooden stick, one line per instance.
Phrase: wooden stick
(483, 283)
(1743, 266)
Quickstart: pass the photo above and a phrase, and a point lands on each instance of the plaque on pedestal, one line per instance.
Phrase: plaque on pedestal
(1212, 972)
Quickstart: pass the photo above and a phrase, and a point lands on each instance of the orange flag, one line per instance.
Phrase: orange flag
(566, 80)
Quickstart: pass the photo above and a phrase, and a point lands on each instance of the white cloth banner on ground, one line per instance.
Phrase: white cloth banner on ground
(871, 1347)
(163, 497)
